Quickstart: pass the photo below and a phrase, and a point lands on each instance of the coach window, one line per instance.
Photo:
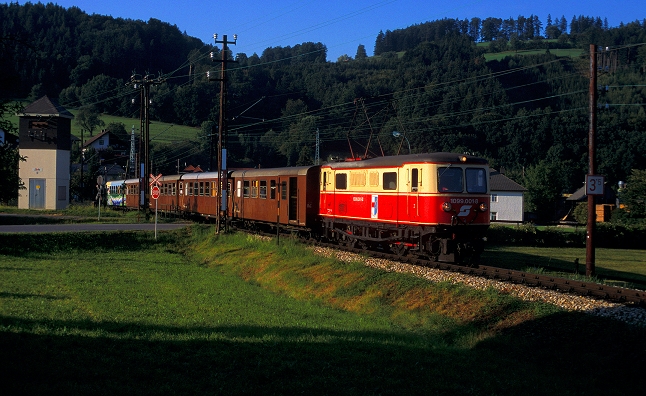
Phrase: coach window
(263, 189)
(172, 189)
(341, 181)
(390, 180)
(283, 190)
(272, 189)
(195, 189)
(414, 179)
(206, 189)
(201, 188)
(324, 180)
(245, 189)
(254, 189)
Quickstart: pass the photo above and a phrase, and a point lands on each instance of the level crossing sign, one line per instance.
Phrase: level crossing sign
(155, 179)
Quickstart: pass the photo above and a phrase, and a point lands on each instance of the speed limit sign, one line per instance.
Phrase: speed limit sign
(594, 185)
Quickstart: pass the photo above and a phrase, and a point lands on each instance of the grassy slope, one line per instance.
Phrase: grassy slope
(121, 314)
(160, 132)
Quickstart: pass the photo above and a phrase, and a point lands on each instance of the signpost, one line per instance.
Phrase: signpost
(594, 185)
(99, 187)
(154, 193)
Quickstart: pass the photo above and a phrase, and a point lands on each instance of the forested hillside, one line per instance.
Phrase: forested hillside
(431, 82)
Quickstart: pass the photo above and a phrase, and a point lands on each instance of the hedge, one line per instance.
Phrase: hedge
(607, 235)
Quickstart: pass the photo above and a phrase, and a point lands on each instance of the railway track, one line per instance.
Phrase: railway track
(546, 281)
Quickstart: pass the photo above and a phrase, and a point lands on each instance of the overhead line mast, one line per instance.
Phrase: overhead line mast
(222, 192)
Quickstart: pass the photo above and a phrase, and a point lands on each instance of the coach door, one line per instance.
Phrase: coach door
(293, 199)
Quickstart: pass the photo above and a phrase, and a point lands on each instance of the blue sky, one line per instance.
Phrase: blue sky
(340, 25)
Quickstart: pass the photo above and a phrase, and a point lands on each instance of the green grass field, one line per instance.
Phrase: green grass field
(571, 53)
(194, 313)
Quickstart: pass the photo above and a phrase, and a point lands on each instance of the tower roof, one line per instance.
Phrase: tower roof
(46, 107)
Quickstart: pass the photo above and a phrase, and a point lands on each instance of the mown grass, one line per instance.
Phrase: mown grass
(197, 313)
(626, 265)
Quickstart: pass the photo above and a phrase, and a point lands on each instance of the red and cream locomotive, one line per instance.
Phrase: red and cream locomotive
(433, 205)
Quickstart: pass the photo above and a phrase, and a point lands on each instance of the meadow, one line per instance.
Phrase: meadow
(160, 132)
(197, 313)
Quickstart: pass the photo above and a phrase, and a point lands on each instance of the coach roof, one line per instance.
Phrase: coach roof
(271, 172)
(399, 160)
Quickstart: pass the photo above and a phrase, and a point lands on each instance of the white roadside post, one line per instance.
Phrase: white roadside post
(154, 193)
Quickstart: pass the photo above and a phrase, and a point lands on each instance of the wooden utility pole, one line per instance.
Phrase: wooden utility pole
(222, 171)
(592, 213)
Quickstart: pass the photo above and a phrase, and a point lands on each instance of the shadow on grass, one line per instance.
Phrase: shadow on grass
(561, 354)
(22, 245)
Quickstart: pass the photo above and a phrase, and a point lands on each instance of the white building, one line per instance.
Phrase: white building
(507, 199)
(45, 142)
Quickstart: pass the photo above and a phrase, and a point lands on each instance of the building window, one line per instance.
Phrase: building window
(494, 197)
(62, 193)
(494, 216)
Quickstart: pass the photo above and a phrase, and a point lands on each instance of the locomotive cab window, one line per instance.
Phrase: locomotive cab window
(414, 179)
(476, 180)
(449, 179)
(390, 180)
(341, 181)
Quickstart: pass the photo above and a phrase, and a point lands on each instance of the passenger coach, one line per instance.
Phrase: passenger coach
(285, 196)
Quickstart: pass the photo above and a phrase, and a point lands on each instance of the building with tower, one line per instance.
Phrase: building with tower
(45, 141)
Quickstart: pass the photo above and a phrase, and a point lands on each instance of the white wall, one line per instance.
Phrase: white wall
(509, 207)
(54, 167)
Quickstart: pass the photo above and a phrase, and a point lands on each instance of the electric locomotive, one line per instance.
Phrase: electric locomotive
(433, 205)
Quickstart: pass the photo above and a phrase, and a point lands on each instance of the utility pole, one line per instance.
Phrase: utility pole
(222, 168)
(144, 84)
(592, 213)
(317, 160)
(133, 160)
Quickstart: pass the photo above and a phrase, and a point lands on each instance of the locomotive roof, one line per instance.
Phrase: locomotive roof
(270, 172)
(399, 160)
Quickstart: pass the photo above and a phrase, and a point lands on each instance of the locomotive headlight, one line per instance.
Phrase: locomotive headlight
(446, 207)
(484, 207)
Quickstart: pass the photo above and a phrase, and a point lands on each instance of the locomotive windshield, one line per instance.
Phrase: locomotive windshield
(450, 179)
(476, 180)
